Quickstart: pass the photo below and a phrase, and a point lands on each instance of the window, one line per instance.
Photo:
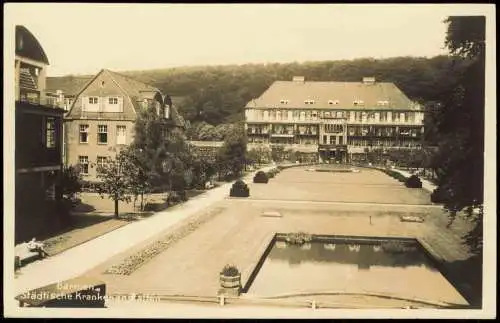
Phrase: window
(50, 132)
(84, 133)
(102, 134)
(121, 135)
(101, 162)
(84, 164)
(113, 100)
(93, 100)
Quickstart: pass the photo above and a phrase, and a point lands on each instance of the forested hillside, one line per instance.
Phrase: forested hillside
(218, 94)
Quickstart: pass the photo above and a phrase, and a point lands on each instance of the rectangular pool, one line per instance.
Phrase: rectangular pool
(338, 266)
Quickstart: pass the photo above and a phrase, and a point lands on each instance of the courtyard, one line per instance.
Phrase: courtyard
(233, 231)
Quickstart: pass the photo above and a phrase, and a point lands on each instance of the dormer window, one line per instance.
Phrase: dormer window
(309, 101)
(359, 102)
(333, 102)
(383, 103)
(284, 101)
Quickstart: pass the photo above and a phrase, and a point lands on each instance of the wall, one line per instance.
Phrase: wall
(31, 149)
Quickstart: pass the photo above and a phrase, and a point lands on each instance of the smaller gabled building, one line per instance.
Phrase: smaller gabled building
(102, 117)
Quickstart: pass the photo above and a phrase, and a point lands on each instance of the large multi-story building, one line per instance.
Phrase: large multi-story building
(38, 139)
(102, 117)
(333, 121)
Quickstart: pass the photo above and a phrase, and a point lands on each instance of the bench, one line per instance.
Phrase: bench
(24, 256)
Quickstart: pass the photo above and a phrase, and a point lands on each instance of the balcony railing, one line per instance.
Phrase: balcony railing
(46, 101)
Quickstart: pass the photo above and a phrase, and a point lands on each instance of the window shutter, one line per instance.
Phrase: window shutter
(120, 102)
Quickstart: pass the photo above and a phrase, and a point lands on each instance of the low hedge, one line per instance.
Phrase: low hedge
(261, 177)
(239, 189)
(395, 175)
(413, 182)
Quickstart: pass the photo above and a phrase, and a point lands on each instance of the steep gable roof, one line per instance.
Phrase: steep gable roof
(325, 94)
(134, 90)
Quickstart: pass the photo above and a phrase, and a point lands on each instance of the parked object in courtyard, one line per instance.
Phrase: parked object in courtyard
(239, 189)
(230, 281)
(260, 177)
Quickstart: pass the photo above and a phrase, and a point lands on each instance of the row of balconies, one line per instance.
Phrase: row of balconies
(313, 148)
(350, 133)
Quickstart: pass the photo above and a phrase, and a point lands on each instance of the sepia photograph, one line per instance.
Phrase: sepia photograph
(170, 160)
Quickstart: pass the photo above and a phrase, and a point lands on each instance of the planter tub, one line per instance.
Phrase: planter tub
(231, 285)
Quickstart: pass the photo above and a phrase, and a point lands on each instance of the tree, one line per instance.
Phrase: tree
(262, 153)
(165, 155)
(232, 154)
(137, 173)
(461, 126)
(114, 181)
(70, 182)
(277, 153)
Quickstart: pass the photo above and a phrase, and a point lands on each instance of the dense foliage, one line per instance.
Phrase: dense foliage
(460, 124)
(218, 94)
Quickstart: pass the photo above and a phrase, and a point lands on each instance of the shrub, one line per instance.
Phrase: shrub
(260, 177)
(439, 195)
(298, 238)
(177, 197)
(270, 174)
(230, 270)
(413, 182)
(239, 189)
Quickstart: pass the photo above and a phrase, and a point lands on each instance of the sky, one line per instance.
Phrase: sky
(84, 38)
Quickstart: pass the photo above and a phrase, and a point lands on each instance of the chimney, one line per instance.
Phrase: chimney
(298, 79)
(369, 80)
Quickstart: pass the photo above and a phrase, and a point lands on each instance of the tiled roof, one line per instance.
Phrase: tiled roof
(137, 91)
(26, 80)
(70, 85)
(332, 95)
(131, 86)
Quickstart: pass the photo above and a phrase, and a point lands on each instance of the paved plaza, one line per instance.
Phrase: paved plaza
(368, 203)
(307, 201)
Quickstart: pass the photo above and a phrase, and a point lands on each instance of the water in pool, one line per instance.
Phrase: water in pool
(318, 267)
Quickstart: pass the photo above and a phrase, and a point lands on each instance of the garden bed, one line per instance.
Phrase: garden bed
(133, 262)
